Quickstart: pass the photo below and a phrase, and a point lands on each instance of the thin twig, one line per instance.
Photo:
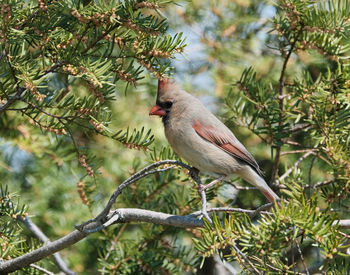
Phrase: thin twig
(302, 257)
(292, 251)
(319, 184)
(238, 187)
(204, 205)
(342, 223)
(312, 186)
(12, 99)
(45, 112)
(52, 68)
(290, 170)
(42, 237)
(21, 90)
(298, 128)
(291, 142)
(309, 174)
(249, 212)
(298, 151)
(280, 271)
(261, 208)
(100, 37)
(281, 98)
(344, 235)
(239, 252)
(41, 269)
(194, 173)
(142, 173)
(30, 17)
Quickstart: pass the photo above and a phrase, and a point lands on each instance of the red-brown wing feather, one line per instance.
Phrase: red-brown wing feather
(225, 143)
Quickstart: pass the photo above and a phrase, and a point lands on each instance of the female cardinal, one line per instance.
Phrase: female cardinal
(204, 141)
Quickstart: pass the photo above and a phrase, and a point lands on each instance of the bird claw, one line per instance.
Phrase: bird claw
(193, 172)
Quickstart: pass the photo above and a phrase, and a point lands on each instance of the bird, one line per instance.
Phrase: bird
(200, 138)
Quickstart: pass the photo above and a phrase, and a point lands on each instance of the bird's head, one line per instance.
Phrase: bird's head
(167, 89)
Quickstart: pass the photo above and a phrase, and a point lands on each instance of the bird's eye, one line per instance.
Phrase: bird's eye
(168, 104)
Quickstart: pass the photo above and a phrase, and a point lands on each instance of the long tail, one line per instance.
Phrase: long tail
(253, 178)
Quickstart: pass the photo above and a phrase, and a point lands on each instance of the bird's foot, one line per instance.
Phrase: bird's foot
(193, 172)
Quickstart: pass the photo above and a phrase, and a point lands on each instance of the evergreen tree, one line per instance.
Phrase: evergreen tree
(74, 130)
(290, 89)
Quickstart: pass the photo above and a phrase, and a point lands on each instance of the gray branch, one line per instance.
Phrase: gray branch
(150, 169)
(42, 252)
(108, 217)
(123, 215)
(345, 224)
(42, 237)
(142, 215)
(277, 183)
(43, 270)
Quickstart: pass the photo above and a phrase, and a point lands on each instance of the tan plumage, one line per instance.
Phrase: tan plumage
(202, 140)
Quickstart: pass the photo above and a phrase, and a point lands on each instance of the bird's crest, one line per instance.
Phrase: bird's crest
(166, 85)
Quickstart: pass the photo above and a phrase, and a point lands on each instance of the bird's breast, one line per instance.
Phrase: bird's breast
(198, 152)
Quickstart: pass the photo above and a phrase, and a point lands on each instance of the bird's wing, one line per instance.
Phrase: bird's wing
(227, 143)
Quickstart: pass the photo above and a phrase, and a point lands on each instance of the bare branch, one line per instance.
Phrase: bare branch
(108, 217)
(319, 184)
(344, 235)
(124, 215)
(239, 187)
(298, 128)
(99, 38)
(281, 104)
(250, 213)
(201, 192)
(261, 208)
(204, 205)
(12, 99)
(117, 216)
(41, 269)
(42, 252)
(298, 151)
(290, 170)
(42, 237)
(19, 90)
(345, 224)
(141, 174)
(58, 64)
(241, 254)
(142, 215)
(302, 257)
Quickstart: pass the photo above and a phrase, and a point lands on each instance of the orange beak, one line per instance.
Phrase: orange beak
(157, 111)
